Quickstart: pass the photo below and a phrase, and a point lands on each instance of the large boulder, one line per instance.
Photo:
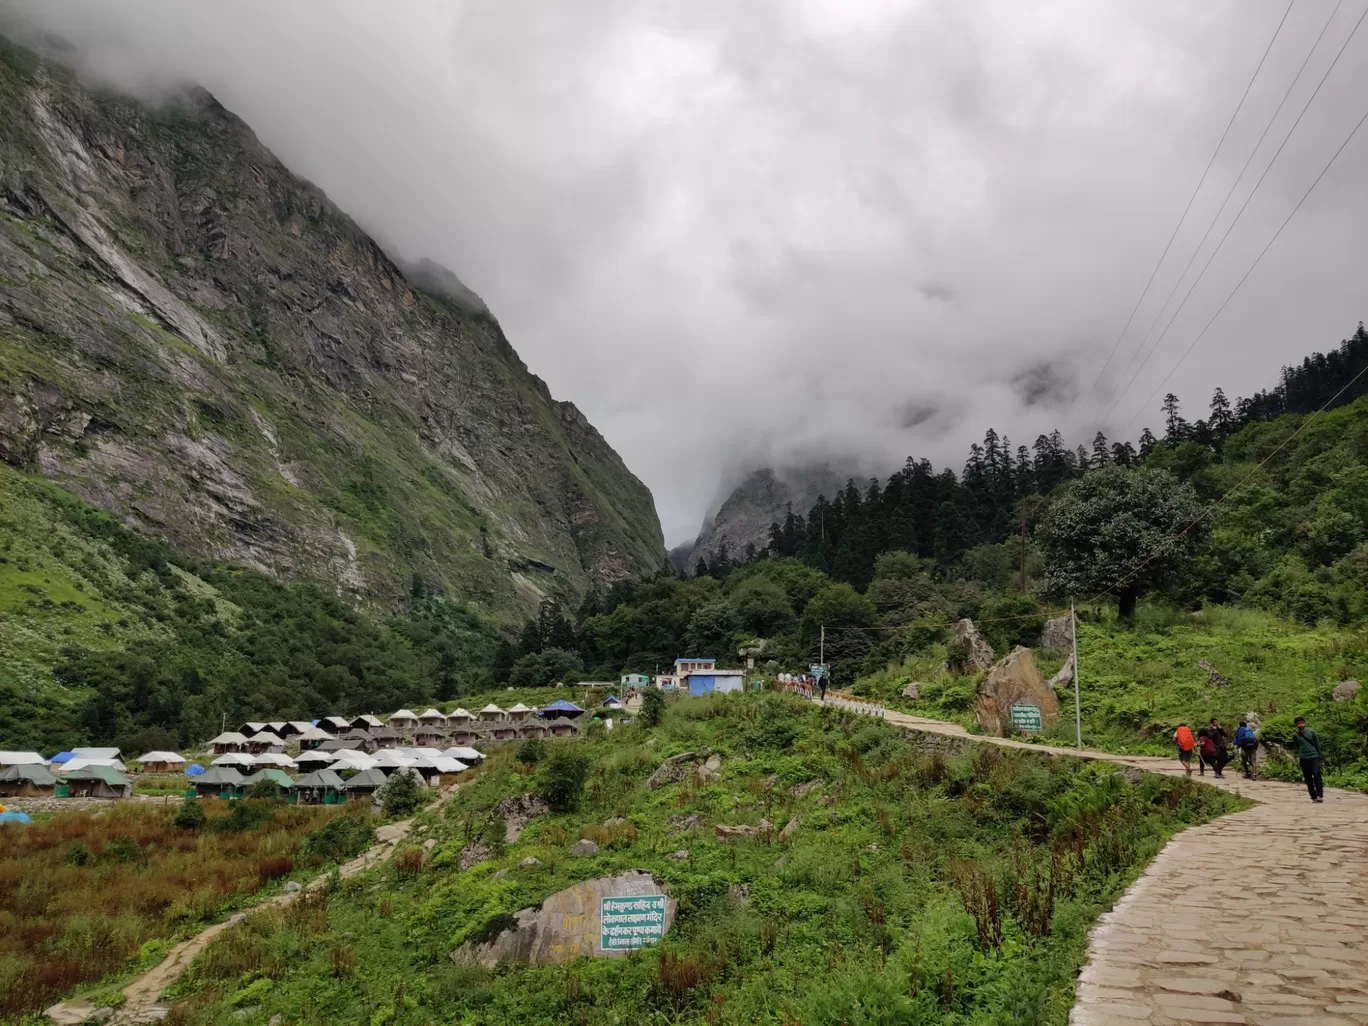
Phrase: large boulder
(517, 812)
(1346, 691)
(1214, 678)
(1058, 634)
(1065, 675)
(1014, 681)
(972, 647)
(565, 926)
(673, 770)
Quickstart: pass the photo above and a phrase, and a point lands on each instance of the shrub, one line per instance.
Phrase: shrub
(190, 815)
(408, 861)
(79, 854)
(274, 867)
(124, 849)
(342, 837)
(244, 817)
(563, 780)
(401, 796)
(264, 790)
(652, 707)
(531, 751)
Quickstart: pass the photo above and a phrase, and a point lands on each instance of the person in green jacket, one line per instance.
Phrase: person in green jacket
(1311, 759)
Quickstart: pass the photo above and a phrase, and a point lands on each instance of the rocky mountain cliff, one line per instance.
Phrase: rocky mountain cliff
(194, 338)
(762, 498)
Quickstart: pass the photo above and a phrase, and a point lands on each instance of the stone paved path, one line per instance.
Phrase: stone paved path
(1260, 917)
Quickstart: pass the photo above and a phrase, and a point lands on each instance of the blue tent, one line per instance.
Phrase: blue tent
(612, 700)
(194, 769)
(14, 817)
(62, 757)
(560, 707)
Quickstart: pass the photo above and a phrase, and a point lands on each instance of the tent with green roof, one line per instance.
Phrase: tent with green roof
(97, 782)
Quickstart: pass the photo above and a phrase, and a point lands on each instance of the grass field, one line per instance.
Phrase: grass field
(1139, 681)
(912, 889)
(86, 896)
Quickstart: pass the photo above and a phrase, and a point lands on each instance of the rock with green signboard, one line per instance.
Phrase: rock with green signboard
(1014, 698)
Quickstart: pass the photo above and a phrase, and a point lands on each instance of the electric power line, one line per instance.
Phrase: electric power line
(1139, 370)
(1233, 186)
(1181, 220)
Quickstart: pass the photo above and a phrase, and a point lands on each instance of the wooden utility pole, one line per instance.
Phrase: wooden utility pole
(1078, 705)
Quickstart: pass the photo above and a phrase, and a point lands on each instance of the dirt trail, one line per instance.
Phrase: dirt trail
(141, 996)
(1259, 918)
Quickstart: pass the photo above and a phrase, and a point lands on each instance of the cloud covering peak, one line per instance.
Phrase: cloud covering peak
(754, 234)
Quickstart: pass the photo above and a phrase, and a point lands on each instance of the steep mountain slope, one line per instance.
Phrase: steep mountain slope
(762, 498)
(199, 341)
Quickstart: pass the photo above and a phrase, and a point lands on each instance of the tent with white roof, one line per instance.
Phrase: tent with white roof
(273, 759)
(161, 762)
(21, 759)
(77, 765)
(466, 755)
(234, 759)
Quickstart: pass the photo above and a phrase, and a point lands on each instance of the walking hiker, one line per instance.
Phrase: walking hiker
(1183, 738)
(1247, 742)
(1217, 734)
(1206, 751)
(822, 685)
(1311, 759)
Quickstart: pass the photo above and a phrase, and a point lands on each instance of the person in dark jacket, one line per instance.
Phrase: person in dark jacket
(1247, 743)
(1206, 751)
(1221, 754)
(1311, 759)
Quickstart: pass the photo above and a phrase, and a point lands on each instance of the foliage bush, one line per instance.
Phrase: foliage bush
(652, 707)
(340, 838)
(190, 814)
(531, 751)
(562, 779)
(401, 795)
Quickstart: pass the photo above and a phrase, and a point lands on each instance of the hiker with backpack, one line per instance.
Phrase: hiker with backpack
(1186, 743)
(1247, 743)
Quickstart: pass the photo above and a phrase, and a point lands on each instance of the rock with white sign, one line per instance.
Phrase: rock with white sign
(606, 917)
(1014, 696)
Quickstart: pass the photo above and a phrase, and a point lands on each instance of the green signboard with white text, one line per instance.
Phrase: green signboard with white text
(632, 922)
(1026, 718)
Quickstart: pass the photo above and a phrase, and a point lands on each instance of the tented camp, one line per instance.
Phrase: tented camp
(321, 787)
(464, 736)
(294, 728)
(520, 713)
(492, 714)
(97, 782)
(334, 724)
(280, 778)
(366, 782)
(239, 759)
(252, 727)
(533, 730)
(386, 737)
(222, 781)
(278, 759)
(430, 737)
(460, 717)
(311, 737)
(265, 741)
(81, 763)
(309, 761)
(21, 759)
(108, 756)
(560, 717)
(30, 780)
(228, 741)
(432, 718)
(161, 762)
(343, 744)
(404, 721)
(466, 755)
(366, 722)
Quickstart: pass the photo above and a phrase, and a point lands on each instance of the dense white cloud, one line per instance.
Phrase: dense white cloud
(770, 231)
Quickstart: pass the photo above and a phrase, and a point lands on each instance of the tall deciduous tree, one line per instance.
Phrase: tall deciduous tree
(1116, 531)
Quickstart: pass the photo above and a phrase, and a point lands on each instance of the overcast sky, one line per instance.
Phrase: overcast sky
(779, 230)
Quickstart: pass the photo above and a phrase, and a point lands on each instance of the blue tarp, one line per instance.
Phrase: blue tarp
(560, 705)
(62, 757)
(612, 700)
(15, 817)
(701, 684)
(194, 769)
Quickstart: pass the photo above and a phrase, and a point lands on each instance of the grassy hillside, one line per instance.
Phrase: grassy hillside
(912, 888)
(1140, 680)
(108, 636)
